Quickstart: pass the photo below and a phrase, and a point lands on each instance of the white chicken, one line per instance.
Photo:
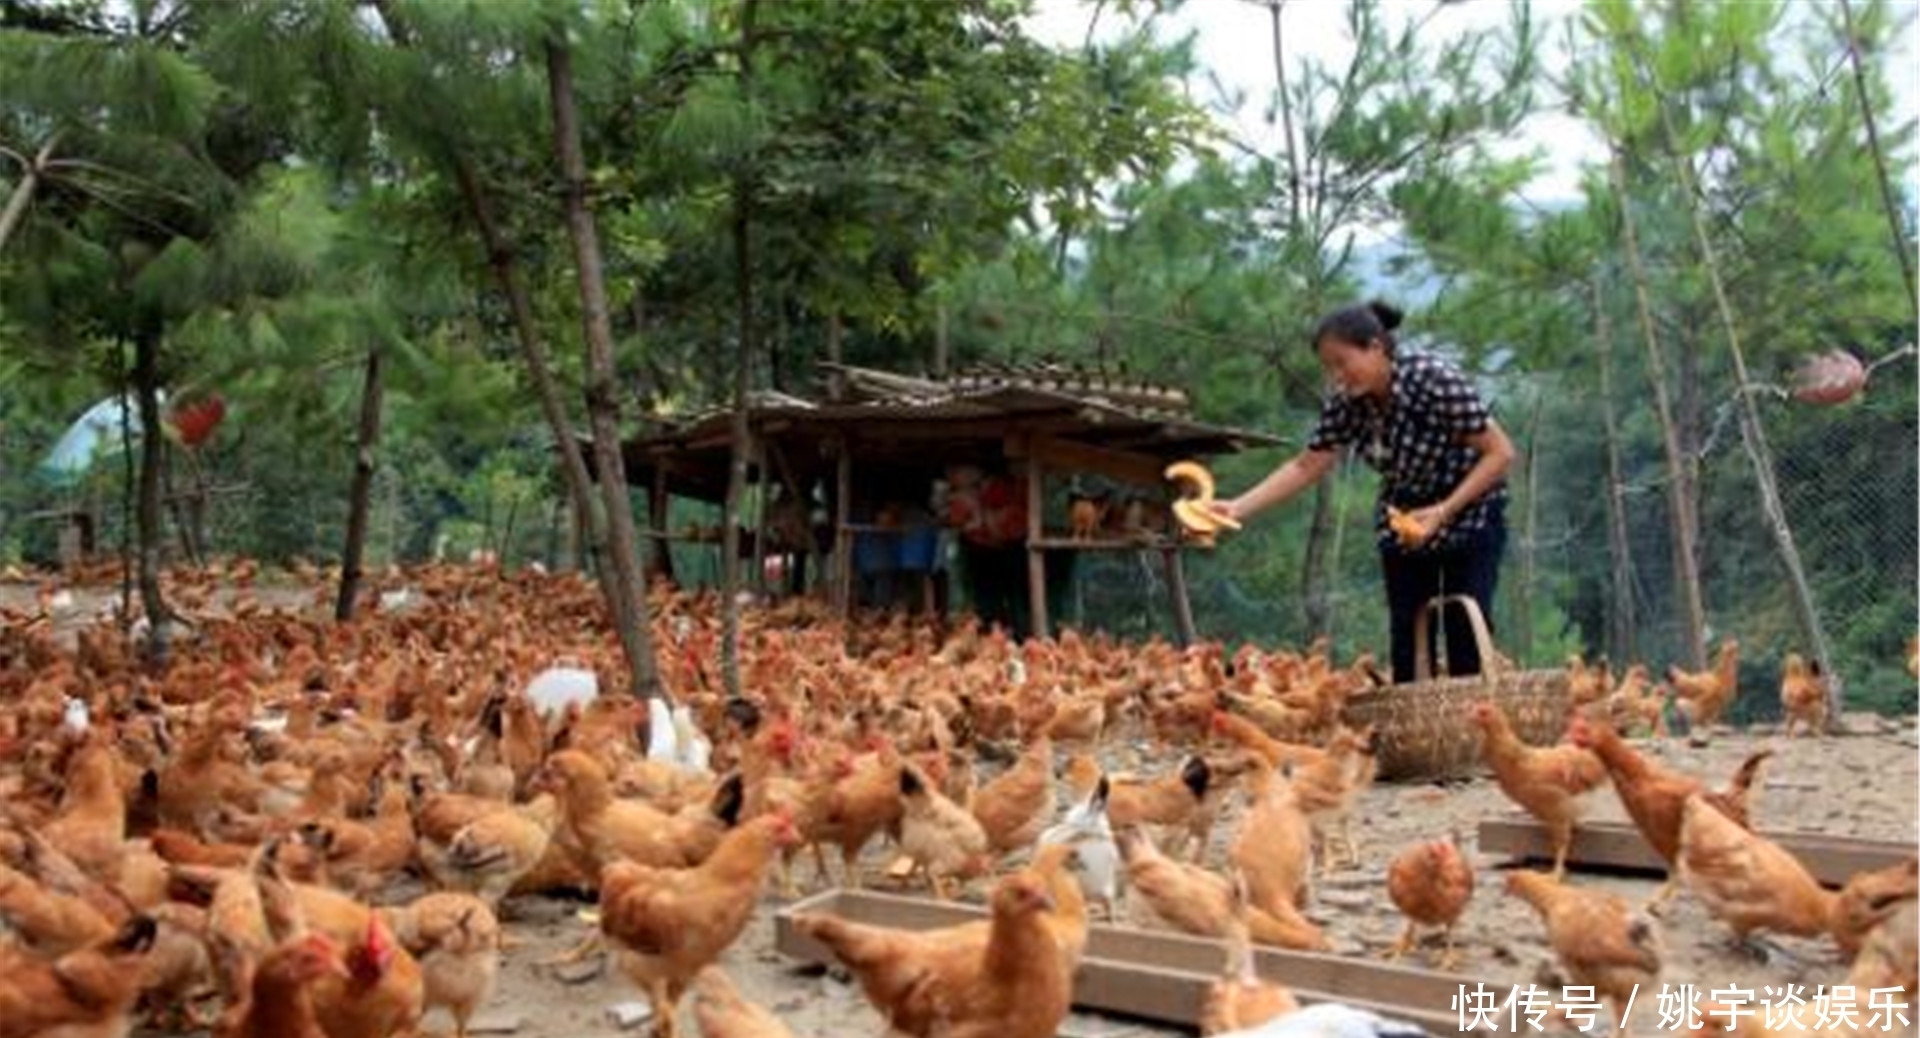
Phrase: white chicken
(1331, 1020)
(1096, 860)
(673, 738)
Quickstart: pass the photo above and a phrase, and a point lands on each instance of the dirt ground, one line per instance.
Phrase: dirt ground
(1863, 785)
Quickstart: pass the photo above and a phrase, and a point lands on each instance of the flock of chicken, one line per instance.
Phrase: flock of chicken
(204, 846)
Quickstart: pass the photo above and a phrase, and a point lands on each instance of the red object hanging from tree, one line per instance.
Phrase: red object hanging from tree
(195, 422)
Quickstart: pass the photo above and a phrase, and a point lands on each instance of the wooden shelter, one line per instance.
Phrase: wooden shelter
(888, 436)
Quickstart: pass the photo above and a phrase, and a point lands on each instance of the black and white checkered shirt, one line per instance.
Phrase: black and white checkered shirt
(1416, 440)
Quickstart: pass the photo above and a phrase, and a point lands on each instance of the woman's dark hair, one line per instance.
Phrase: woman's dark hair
(1359, 324)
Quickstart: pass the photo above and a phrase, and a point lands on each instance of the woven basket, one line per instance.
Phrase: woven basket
(1421, 729)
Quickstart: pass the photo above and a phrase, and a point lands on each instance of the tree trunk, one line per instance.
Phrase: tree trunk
(129, 493)
(941, 357)
(603, 407)
(505, 265)
(1753, 436)
(1622, 621)
(360, 495)
(146, 381)
(1686, 571)
(743, 360)
(1529, 537)
(1313, 584)
(1900, 246)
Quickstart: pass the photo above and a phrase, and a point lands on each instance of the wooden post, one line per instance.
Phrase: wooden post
(842, 537)
(1177, 588)
(1036, 556)
(659, 501)
(759, 456)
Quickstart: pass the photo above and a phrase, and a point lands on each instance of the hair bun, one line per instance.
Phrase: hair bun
(1388, 314)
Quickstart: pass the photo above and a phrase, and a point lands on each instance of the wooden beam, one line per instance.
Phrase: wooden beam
(1123, 466)
(1177, 589)
(1618, 845)
(760, 482)
(1158, 975)
(842, 538)
(1036, 555)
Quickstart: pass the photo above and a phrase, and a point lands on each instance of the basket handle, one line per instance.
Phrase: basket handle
(1490, 659)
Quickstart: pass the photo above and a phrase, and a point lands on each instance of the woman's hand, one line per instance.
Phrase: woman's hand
(1431, 519)
(1230, 508)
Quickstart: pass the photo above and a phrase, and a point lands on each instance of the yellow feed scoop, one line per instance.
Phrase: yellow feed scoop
(1194, 509)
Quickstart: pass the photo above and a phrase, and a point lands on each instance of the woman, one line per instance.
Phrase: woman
(1443, 459)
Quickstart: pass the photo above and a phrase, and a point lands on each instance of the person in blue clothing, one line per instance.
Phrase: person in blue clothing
(1442, 457)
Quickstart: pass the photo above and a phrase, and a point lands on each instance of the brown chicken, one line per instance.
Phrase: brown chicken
(1013, 808)
(383, 992)
(669, 924)
(87, 993)
(950, 983)
(280, 1001)
(1185, 801)
(92, 825)
(48, 922)
(722, 1012)
(1240, 999)
(1597, 938)
(1868, 898)
(490, 854)
(1548, 782)
(939, 835)
(1704, 695)
(1654, 796)
(1803, 695)
(1274, 850)
(1329, 787)
(1431, 884)
(610, 830)
(456, 939)
(1197, 901)
(1748, 881)
(1890, 955)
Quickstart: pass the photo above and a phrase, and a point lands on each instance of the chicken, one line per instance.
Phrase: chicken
(383, 992)
(92, 826)
(1803, 695)
(1430, 884)
(952, 983)
(1747, 881)
(669, 924)
(1013, 808)
(1704, 695)
(939, 835)
(610, 830)
(1328, 787)
(1187, 800)
(1549, 783)
(1240, 999)
(456, 939)
(49, 922)
(1330, 1020)
(280, 1001)
(1598, 940)
(87, 993)
(1096, 860)
(1654, 796)
(864, 803)
(1274, 849)
(722, 1012)
(1200, 902)
(490, 854)
(1890, 955)
(364, 856)
(1868, 898)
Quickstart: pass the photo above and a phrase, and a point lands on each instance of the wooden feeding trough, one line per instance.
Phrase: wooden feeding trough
(1156, 975)
(1616, 845)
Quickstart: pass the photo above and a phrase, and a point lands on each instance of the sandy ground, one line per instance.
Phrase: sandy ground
(1862, 785)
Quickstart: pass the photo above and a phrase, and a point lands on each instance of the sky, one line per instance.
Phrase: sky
(1233, 40)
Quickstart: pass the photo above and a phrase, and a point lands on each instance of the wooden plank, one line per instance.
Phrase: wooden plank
(1157, 975)
(1831, 859)
(1103, 544)
(1124, 466)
